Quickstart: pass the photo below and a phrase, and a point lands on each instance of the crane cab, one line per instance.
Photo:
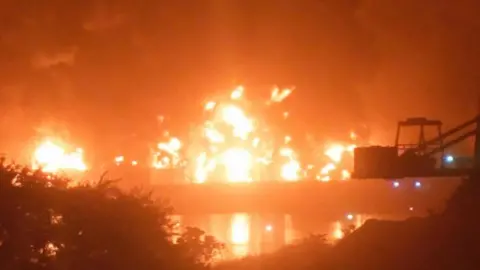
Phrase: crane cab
(403, 159)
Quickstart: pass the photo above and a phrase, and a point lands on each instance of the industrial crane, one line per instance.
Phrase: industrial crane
(419, 159)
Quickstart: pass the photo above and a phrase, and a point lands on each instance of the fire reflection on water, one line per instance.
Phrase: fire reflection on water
(240, 234)
(251, 234)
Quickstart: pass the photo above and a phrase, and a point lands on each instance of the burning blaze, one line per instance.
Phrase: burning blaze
(238, 164)
(336, 154)
(52, 158)
(279, 95)
(167, 155)
(231, 145)
(227, 143)
(291, 169)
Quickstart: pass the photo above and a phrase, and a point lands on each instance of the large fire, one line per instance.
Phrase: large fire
(230, 145)
(51, 157)
(235, 146)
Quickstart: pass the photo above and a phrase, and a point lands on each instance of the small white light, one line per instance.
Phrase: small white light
(418, 184)
(449, 159)
(396, 184)
(268, 228)
(350, 217)
(410, 208)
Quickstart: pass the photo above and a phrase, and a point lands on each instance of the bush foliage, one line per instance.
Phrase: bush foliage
(44, 224)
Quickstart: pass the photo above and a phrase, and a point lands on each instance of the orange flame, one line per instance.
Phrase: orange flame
(51, 158)
(234, 149)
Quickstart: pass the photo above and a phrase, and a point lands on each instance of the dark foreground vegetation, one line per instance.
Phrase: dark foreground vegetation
(447, 240)
(45, 225)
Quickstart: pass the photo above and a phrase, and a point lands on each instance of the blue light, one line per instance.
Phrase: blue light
(449, 159)
(418, 184)
(396, 184)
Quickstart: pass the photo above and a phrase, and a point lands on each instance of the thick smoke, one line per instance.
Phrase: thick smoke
(106, 69)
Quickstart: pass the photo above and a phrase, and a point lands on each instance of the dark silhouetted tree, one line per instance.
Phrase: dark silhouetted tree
(46, 225)
(199, 247)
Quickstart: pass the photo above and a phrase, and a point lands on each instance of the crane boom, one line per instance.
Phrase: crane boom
(417, 160)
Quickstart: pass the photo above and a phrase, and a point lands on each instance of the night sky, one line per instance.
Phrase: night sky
(99, 71)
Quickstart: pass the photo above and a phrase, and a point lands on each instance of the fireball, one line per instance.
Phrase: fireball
(232, 145)
(52, 158)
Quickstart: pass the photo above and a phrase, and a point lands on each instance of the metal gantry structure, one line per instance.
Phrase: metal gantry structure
(418, 159)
